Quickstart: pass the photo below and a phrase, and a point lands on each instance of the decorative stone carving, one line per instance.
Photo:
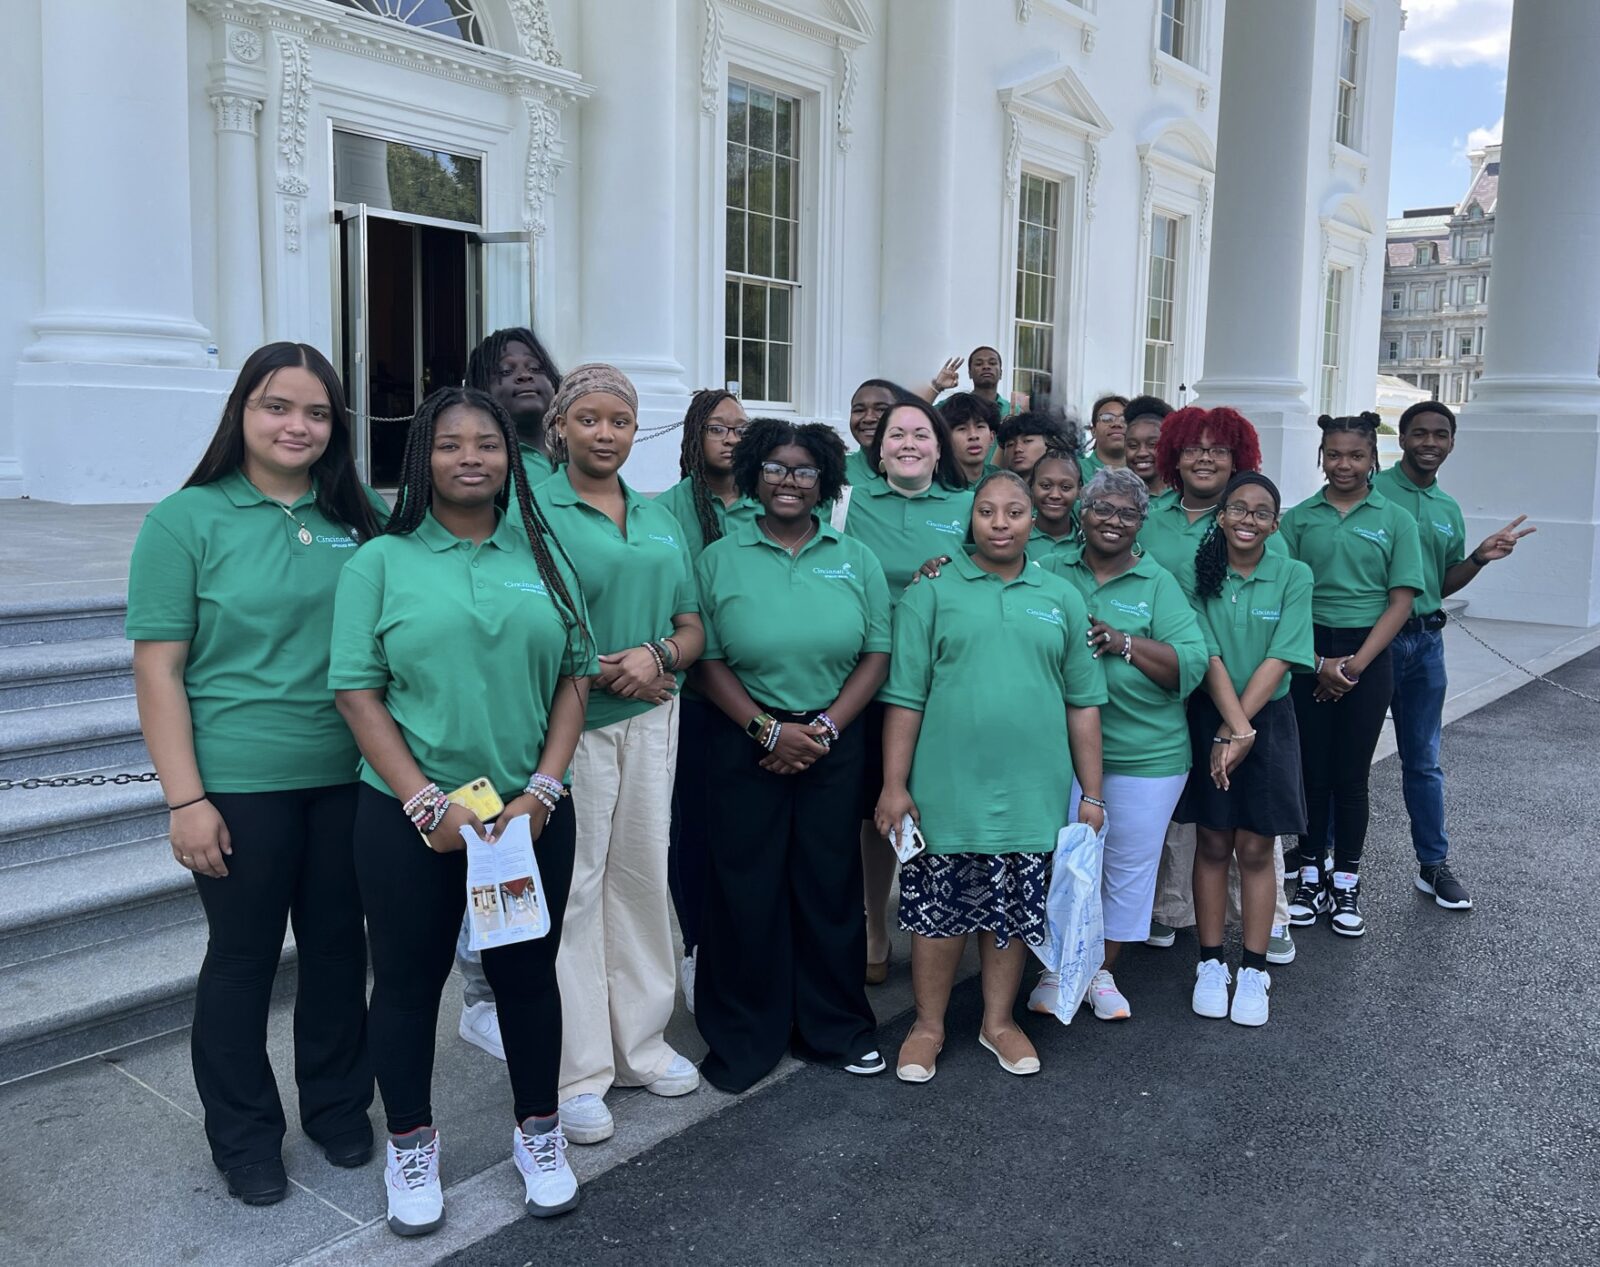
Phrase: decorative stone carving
(294, 108)
(1013, 156)
(847, 96)
(1202, 95)
(1205, 214)
(533, 31)
(245, 45)
(1024, 10)
(1088, 39)
(1091, 180)
(1147, 202)
(544, 141)
(235, 113)
(711, 60)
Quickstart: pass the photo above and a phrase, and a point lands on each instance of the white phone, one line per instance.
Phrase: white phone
(907, 842)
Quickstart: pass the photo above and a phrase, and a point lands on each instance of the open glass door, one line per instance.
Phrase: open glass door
(505, 281)
(355, 331)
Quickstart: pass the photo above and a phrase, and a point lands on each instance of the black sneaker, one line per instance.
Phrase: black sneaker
(1347, 918)
(867, 1064)
(1447, 891)
(1310, 899)
(259, 1183)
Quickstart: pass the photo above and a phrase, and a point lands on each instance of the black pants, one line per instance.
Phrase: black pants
(1337, 740)
(687, 843)
(291, 863)
(783, 943)
(415, 899)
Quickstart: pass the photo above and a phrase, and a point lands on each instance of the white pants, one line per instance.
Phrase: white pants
(1175, 881)
(1137, 813)
(617, 966)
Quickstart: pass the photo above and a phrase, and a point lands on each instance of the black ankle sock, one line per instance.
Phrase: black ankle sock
(1211, 952)
(1255, 959)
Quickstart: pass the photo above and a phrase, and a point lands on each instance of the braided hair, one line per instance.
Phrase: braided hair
(1211, 557)
(416, 497)
(1362, 424)
(692, 458)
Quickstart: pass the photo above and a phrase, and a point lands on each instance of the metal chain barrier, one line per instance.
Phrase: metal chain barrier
(77, 780)
(1461, 624)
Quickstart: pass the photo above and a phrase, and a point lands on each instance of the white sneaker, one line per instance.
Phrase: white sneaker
(686, 978)
(1250, 997)
(586, 1120)
(1042, 998)
(1106, 1000)
(680, 1078)
(411, 1178)
(480, 1026)
(1211, 989)
(551, 1186)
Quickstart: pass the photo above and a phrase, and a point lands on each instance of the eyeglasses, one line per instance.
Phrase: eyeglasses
(1127, 516)
(1206, 451)
(1238, 512)
(803, 476)
(1108, 417)
(717, 431)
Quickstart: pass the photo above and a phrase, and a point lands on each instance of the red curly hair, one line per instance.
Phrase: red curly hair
(1184, 427)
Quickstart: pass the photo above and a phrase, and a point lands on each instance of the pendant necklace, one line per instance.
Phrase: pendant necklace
(305, 533)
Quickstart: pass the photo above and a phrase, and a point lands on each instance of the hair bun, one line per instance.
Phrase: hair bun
(1325, 421)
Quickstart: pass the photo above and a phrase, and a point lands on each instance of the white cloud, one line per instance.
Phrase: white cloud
(1457, 32)
(1479, 137)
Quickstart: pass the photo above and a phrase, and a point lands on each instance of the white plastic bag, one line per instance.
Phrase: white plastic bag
(1076, 947)
(505, 896)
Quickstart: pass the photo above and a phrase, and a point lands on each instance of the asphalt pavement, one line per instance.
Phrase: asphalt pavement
(1427, 1094)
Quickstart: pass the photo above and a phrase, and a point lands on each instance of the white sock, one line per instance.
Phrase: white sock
(1345, 879)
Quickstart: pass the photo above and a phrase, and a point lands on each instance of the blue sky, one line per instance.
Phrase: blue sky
(1450, 96)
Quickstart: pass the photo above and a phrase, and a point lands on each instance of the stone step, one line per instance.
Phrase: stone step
(62, 616)
(91, 1000)
(62, 738)
(85, 899)
(40, 673)
(46, 822)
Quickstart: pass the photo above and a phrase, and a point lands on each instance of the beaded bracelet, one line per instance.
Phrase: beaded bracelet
(828, 724)
(1127, 648)
(429, 817)
(429, 792)
(655, 654)
(676, 656)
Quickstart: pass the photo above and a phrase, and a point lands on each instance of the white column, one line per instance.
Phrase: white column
(919, 182)
(1530, 440)
(629, 213)
(119, 280)
(239, 322)
(1255, 297)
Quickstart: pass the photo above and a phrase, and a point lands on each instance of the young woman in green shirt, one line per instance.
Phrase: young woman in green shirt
(989, 809)
(460, 652)
(230, 599)
(1140, 442)
(1244, 787)
(1054, 484)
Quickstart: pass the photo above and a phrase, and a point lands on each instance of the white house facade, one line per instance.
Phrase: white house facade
(791, 195)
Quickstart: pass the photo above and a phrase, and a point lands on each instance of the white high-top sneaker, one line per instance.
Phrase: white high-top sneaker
(551, 1186)
(411, 1179)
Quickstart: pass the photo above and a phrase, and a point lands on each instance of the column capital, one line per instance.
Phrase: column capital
(236, 111)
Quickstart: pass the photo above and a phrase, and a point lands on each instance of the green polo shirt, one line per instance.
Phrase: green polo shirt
(1042, 546)
(466, 643)
(1143, 726)
(1356, 558)
(1168, 537)
(857, 471)
(792, 628)
(1441, 531)
(1088, 464)
(221, 567)
(1266, 615)
(980, 787)
(905, 532)
(634, 583)
(679, 499)
(537, 465)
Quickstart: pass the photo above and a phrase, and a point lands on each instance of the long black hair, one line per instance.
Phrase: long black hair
(692, 458)
(339, 494)
(1211, 557)
(946, 471)
(1365, 424)
(416, 497)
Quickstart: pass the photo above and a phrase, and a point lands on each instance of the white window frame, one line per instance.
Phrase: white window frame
(1174, 233)
(1337, 285)
(1177, 166)
(1416, 346)
(1472, 247)
(1467, 302)
(1349, 59)
(1052, 277)
(1354, 146)
(1195, 67)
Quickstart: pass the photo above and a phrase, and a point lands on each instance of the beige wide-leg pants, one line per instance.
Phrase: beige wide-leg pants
(1175, 881)
(617, 967)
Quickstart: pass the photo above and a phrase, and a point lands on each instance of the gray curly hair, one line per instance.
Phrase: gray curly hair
(1118, 481)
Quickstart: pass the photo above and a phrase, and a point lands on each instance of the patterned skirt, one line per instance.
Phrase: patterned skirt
(952, 894)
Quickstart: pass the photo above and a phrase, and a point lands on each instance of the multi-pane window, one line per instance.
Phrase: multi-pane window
(1469, 291)
(1414, 346)
(1394, 300)
(1424, 253)
(1474, 248)
(1437, 344)
(1332, 335)
(1177, 27)
(1394, 349)
(1347, 124)
(763, 241)
(1161, 304)
(1466, 345)
(1038, 234)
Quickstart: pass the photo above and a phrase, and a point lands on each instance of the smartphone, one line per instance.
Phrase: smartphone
(907, 842)
(480, 797)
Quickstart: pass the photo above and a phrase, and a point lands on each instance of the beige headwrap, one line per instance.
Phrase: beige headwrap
(592, 377)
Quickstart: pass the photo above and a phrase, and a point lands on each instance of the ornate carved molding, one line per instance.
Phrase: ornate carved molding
(235, 112)
(294, 108)
(1091, 180)
(532, 18)
(1013, 173)
(544, 146)
(1202, 95)
(1024, 10)
(245, 44)
(1088, 39)
(711, 60)
(1205, 214)
(1147, 202)
(847, 95)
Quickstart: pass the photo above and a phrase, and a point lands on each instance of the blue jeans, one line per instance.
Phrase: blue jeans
(1418, 708)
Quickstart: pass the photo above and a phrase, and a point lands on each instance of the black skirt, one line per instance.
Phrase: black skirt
(1266, 795)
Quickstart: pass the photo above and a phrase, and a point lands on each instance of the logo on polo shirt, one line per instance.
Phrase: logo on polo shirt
(845, 572)
(1266, 613)
(1444, 530)
(954, 528)
(1132, 609)
(1051, 617)
(338, 543)
(665, 538)
(1380, 535)
(528, 587)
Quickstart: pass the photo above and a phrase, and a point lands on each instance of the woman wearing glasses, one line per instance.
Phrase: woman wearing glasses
(1143, 630)
(1108, 429)
(797, 642)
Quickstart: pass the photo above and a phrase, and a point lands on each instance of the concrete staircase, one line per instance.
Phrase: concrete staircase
(101, 933)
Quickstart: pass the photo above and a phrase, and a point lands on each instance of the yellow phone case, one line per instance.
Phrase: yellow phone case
(480, 797)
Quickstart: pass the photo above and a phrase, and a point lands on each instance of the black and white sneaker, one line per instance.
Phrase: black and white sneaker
(1310, 899)
(1347, 918)
(867, 1064)
(1447, 891)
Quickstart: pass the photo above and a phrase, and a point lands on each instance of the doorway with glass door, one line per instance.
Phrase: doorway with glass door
(420, 281)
